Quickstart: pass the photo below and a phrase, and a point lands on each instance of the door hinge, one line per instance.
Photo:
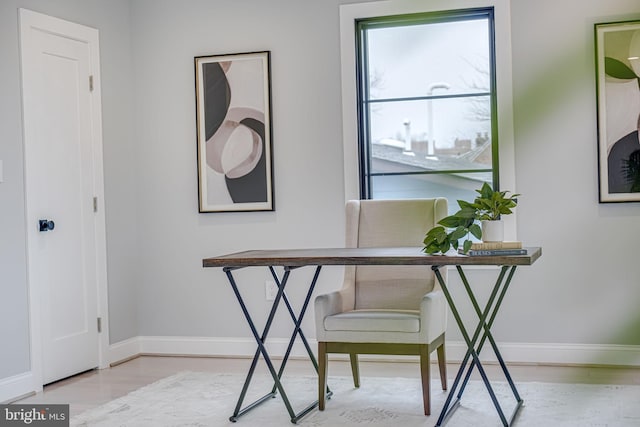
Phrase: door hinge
(95, 204)
(99, 324)
(90, 83)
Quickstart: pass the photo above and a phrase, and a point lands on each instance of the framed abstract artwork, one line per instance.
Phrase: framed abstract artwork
(233, 120)
(618, 92)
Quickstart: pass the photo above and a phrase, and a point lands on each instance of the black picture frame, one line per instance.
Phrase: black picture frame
(618, 95)
(233, 120)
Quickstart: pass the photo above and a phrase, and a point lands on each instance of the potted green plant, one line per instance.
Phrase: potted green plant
(487, 208)
(490, 205)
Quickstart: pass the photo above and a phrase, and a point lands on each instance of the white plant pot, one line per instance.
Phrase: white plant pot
(493, 231)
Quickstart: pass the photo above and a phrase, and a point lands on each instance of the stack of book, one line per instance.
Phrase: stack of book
(495, 249)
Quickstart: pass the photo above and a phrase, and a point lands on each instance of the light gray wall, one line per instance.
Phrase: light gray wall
(14, 316)
(587, 286)
(112, 18)
(584, 289)
(177, 296)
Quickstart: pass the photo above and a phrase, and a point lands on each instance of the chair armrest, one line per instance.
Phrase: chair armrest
(433, 315)
(328, 304)
(331, 303)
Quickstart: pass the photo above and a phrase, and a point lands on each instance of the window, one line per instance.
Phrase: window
(426, 105)
(499, 21)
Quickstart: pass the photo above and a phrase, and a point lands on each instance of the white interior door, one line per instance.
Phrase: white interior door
(65, 233)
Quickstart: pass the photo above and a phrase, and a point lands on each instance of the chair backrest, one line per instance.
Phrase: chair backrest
(391, 223)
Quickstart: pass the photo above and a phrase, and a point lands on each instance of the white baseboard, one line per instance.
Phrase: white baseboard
(20, 385)
(14, 387)
(124, 350)
(543, 354)
(554, 354)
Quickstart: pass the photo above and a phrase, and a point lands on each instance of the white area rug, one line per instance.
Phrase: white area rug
(208, 399)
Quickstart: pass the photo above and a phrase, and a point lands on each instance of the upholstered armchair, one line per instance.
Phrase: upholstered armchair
(394, 310)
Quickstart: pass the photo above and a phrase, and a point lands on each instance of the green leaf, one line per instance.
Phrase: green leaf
(467, 246)
(505, 210)
(486, 191)
(617, 69)
(442, 238)
(458, 233)
(467, 212)
(464, 204)
(434, 232)
(451, 221)
(461, 203)
(476, 231)
(431, 249)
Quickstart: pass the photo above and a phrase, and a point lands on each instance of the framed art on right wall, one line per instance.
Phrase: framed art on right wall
(618, 91)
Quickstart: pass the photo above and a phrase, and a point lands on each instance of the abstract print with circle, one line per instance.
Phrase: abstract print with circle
(234, 122)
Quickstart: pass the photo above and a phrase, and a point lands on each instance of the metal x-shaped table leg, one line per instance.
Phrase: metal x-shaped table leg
(475, 344)
(261, 350)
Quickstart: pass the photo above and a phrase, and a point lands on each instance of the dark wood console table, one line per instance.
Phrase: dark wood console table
(292, 259)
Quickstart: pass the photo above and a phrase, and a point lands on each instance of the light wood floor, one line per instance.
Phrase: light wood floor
(97, 387)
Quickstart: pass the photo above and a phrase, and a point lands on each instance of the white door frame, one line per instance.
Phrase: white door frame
(29, 21)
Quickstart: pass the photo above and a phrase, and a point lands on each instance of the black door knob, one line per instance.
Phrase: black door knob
(46, 225)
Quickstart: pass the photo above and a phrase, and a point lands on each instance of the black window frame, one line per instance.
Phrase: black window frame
(363, 98)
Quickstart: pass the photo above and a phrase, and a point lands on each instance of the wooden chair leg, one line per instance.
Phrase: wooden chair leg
(442, 364)
(425, 373)
(322, 374)
(355, 369)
